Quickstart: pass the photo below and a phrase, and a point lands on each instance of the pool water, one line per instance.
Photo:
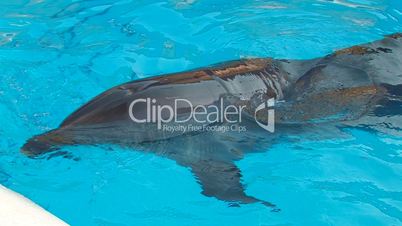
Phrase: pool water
(57, 55)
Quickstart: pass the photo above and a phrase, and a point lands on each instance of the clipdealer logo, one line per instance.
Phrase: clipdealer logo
(199, 114)
(268, 106)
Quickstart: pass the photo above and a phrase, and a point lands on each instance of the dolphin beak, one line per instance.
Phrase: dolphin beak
(36, 146)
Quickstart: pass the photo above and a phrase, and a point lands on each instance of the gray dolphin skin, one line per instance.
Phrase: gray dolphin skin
(340, 88)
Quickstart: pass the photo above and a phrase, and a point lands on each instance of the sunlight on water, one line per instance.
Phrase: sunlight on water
(57, 55)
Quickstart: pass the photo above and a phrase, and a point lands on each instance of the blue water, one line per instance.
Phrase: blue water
(57, 55)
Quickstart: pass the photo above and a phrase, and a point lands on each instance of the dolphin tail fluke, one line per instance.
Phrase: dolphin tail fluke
(222, 180)
(44, 143)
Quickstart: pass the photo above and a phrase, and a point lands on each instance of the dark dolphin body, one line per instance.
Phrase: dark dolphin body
(341, 87)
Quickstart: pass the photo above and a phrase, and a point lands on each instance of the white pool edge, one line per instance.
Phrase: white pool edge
(16, 210)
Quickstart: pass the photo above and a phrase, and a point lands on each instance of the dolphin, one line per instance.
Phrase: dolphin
(341, 87)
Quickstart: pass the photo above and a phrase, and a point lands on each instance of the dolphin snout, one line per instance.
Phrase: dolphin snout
(35, 147)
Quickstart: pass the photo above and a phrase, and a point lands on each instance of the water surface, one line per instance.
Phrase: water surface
(57, 55)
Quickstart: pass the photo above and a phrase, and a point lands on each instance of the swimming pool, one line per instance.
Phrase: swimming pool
(57, 55)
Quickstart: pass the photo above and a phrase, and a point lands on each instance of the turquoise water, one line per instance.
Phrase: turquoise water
(57, 55)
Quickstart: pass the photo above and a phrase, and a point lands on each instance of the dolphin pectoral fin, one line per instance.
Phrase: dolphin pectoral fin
(222, 180)
(210, 157)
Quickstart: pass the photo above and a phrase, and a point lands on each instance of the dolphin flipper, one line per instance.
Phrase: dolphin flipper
(211, 158)
(222, 180)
